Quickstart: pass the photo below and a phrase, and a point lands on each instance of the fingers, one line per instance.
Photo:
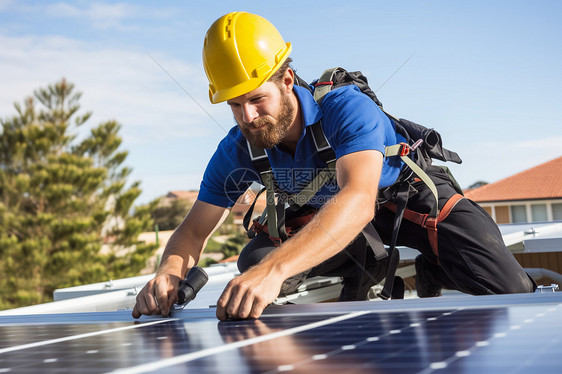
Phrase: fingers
(162, 300)
(258, 307)
(240, 302)
(156, 297)
(222, 304)
(136, 313)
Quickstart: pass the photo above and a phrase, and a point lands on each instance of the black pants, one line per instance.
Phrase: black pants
(472, 255)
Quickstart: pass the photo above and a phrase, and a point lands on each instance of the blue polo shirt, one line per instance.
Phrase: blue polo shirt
(351, 121)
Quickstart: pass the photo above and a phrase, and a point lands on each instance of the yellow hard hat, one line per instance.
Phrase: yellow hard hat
(241, 52)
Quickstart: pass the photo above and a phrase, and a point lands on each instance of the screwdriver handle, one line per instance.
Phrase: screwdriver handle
(195, 279)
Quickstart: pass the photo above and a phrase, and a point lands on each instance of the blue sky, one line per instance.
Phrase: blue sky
(486, 74)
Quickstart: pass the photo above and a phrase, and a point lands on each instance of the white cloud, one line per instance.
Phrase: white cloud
(162, 127)
(126, 85)
(96, 14)
(103, 16)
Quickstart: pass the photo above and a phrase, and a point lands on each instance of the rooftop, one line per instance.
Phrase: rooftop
(539, 182)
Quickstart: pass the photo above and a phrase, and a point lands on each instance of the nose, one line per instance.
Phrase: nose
(249, 113)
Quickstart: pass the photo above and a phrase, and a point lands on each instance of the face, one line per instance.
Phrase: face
(263, 115)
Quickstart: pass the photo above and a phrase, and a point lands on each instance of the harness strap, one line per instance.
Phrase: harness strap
(324, 84)
(322, 177)
(259, 158)
(374, 241)
(426, 221)
(292, 226)
(267, 179)
(326, 154)
(248, 216)
(275, 210)
(280, 215)
(403, 150)
(402, 201)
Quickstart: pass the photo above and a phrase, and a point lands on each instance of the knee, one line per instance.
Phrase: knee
(245, 260)
(520, 283)
(254, 252)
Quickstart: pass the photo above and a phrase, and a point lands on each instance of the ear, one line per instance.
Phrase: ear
(288, 81)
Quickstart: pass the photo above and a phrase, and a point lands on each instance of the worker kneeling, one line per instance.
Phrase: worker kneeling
(328, 149)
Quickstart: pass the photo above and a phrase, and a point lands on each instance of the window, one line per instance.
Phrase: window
(518, 213)
(557, 212)
(502, 214)
(538, 212)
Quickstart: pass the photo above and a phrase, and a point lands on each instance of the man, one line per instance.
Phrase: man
(247, 64)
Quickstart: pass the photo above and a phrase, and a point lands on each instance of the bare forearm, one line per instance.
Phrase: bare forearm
(181, 253)
(188, 241)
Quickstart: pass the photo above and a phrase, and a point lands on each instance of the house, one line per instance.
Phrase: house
(238, 210)
(533, 195)
(190, 196)
(244, 203)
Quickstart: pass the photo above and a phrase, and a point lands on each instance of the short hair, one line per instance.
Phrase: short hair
(278, 75)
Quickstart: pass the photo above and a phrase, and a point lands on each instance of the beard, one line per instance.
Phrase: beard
(271, 131)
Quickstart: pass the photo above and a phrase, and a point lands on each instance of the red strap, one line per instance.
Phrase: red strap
(444, 213)
(300, 221)
(410, 215)
(429, 223)
(449, 205)
(292, 226)
(258, 227)
(330, 83)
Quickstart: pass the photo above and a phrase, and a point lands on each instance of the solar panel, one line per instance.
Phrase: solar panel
(485, 334)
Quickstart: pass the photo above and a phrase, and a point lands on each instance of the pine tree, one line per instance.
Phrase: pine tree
(65, 207)
(169, 216)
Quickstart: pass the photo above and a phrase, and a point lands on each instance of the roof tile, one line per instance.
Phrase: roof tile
(540, 182)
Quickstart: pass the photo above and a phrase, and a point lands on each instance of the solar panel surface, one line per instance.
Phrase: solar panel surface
(457, 334)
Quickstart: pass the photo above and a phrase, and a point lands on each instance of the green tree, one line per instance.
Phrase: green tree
(169, 216)
(477, 184)
(66, 210)
(234, 245)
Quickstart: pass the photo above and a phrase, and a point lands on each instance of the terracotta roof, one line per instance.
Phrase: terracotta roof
(246, 199)
(242, 204)
(188, 195)
(540, 182)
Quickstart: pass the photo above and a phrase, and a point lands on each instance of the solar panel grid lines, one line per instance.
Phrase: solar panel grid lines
(231, 346)
(505, 333)
(354, 345)
(514, 334)
(74, 337)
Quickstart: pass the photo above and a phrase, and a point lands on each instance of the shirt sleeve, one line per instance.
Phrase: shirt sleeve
(229, 173)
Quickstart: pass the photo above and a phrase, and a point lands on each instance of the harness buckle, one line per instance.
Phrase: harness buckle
(404, 150)
(257, 227)
(276, 241)
(430, 223)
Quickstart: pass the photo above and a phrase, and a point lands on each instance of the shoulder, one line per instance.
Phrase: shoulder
(346, 95)
(353, 122)
(348, 105)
